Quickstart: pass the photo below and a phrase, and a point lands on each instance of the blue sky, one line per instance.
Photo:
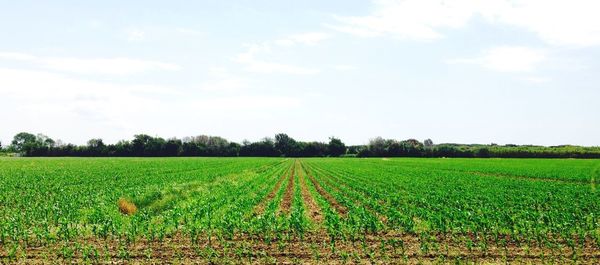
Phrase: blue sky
(522, 72)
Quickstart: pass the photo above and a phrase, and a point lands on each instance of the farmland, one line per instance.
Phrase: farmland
(268, 210)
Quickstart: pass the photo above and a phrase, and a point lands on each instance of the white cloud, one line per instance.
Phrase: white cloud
(223, 81)
(537, 79)
(114, 66)
(106, 66)
(188, 31)
(41, 85)
(308, 38)
(269, 67)
(77, 109)
(411, 19)
(16, 56)
(507, 59)
(252, 64)
(285, 42)
(135, 35)
(256, 65)
(573, 23)
(49, 100)
(227, 84)
(344, 67)
(557, 22)
(246, 103)
(218, 71)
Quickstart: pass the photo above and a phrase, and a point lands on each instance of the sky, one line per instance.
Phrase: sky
(495, 71)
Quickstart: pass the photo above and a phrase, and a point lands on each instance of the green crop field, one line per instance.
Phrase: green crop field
(309, 210)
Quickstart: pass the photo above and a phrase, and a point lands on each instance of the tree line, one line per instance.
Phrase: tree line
(28, 144)
(143, 145)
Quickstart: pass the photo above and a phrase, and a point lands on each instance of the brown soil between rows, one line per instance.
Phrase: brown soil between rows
(314, 211)
(342, 210)
(311, 249)
(260, 207)
(288, 196)
(331, 182)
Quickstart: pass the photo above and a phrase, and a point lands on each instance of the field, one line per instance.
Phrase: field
(269, 210)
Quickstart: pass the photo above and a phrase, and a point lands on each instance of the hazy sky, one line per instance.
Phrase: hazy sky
(453, 71)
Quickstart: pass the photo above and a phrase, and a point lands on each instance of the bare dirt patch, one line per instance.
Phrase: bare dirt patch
(332, 201)
(314, 211)
(333, 183)
(315, 247)
(286, 203)
(260, 208)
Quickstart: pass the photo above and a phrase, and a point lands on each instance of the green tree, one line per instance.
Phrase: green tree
(29, 144)
(377, 146)
(428, 143)
(96, 146)
(172, 147)
(96, 143)
(483, 152)
(24, 142)
(45, 141)
(336, 147)
(146, 145)
(284, 144)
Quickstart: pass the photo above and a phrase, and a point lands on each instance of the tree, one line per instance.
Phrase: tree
(145, 145)
(362, 151)
(336, 147)
(24, 142)
(264, 147)
(395, 148)
(217, 146)
(377, 146)
(190, 149)
(285, 145)
(208, 145)
(45, 141)
(233, 149)
(95, 143)
(29, 144)
(172, 147)
(412, 147)
(428, 143)
(96, 147)
(483, 152)
(139, 143)
(312, 149)
(154, 147)
(121, 148)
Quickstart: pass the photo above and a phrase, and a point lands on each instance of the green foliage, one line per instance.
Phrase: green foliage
(144, 145)
(285, 145)
(477, 201)
(336, 147)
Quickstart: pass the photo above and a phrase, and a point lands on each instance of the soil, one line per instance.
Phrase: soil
(314, 211)
(288, 197)
(260, 208)
(313, 248)
(332, 201)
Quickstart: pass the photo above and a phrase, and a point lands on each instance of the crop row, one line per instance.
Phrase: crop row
(398, 208)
